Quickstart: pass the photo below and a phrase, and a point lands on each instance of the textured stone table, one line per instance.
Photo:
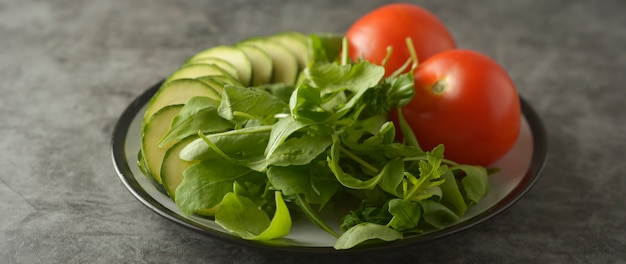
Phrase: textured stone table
(68, 69)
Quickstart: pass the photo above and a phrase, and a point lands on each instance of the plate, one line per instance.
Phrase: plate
(521, 168)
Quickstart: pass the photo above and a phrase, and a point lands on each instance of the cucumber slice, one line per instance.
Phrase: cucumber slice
(172, 167)
(223, 64)
(222, 79)
(196, 70)
(178, 92)
(297, 43)
(152, 133)
(215, 83)
(285, 63)
(262, 66)
(235, 56)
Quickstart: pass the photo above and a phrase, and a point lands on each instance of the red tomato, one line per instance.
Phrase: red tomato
(466, 101)
(391, 25)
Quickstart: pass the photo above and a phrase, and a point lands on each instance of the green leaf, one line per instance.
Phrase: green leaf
(365, 232)
(376, 140)
(408, 135)
(430, 172)
(299, 150)
(391, 172)
(306, 105)
(345, 179)
(394, 174)
(452, 197)
(437, 214)
(239, 145)
(325, 47)
(205, 183)
(198, 114)
(240, 215)
(242, 103)
(475, 182)
(281, 91)
(401, 90)
(406, 214)
(352, 77)
(281, 131)
(313, 180)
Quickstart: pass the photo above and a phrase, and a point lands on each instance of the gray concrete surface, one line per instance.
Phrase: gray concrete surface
(68, 69)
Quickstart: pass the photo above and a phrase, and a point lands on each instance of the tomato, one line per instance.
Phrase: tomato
(391, 25)
(468, 102)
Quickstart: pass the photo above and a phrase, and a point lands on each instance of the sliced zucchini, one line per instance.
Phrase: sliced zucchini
(262, 66)
(215, 83)
(178, 92)
(172, 167)
(222, 79)
(196, 70)
(152, 132)
(285, 63)
(297, 43)
(223, 64)
(234, 55)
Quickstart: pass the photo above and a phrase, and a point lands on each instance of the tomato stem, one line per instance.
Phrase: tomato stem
(344, 47)
(411, 47)
(439, 87)
(387, 56)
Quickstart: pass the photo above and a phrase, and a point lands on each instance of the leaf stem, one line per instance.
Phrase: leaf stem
(244, 115)
(416, 185)
(313, 216)
(214, 147)
(359, 160)
(423, 157)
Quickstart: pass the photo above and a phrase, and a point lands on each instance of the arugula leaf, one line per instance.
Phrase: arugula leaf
(406, 130)
(313, 180)
(242, 103)
(281, 131)
(240, 215)
(475, 182)
(452, 197)
(205, 183)
(400, 91)
(430, 172)
(406, 214)
(352, 77)
(392, 172)
(437, 214)
(281, 91)
(198, 114)
(235, 145)
(325, 48)
(306, 105)
(299, 150)
(364, 232)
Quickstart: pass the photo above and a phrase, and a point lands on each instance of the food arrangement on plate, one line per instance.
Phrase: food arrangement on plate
(390, 124)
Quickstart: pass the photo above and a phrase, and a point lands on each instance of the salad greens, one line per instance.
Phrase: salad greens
(267, 153)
